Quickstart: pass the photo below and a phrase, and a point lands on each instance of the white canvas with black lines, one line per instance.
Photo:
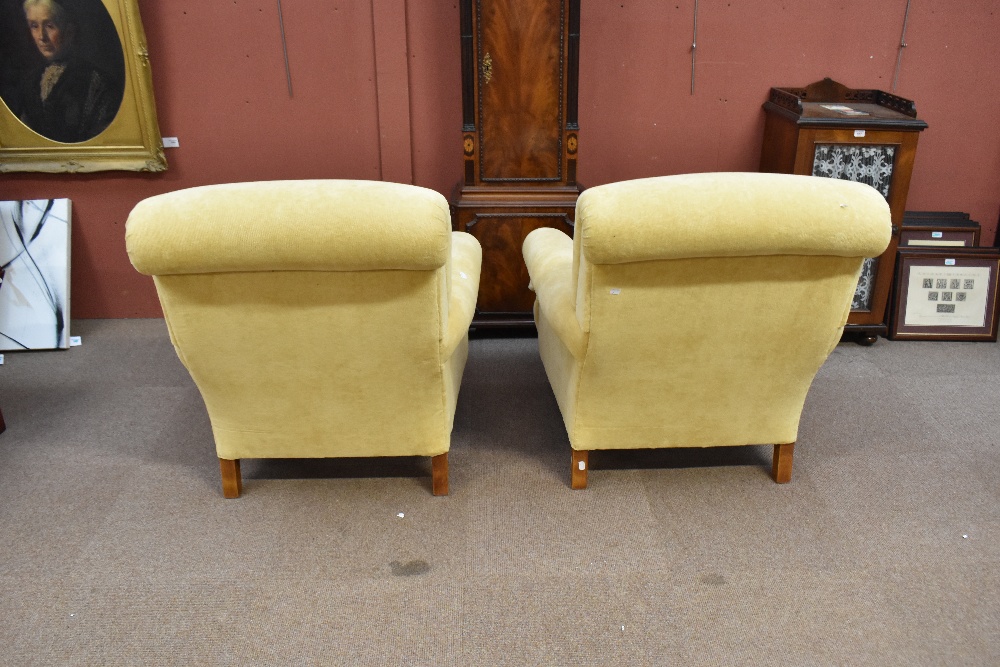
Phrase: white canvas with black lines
(35, 256)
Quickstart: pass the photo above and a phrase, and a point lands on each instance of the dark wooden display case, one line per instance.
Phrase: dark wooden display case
(827, 129)
(519, 138)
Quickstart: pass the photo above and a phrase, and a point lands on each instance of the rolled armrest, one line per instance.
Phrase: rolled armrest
(548, 254)
(466, 262)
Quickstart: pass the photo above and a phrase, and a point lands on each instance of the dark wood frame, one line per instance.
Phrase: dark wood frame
(962, 257)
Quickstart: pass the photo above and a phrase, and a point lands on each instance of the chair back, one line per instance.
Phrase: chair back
(711, 301)
(310, 314)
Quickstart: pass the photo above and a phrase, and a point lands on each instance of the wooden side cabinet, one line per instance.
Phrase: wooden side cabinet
(519, 138)
(827, 129)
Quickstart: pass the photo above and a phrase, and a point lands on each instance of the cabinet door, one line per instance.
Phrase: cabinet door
(520, 58)
(883, 160)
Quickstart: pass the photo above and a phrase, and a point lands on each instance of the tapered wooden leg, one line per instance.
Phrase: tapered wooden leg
(439, 475)
(781, 464)
(3, 426)
(232, 480)
(578, 475)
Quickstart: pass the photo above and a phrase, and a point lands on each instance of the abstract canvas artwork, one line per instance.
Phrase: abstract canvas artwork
(34, 293)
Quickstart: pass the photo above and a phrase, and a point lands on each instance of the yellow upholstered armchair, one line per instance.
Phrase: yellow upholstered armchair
(323, 318)
(695, 310)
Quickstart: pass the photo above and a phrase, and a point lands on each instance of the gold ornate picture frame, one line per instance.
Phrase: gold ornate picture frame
(130, 141)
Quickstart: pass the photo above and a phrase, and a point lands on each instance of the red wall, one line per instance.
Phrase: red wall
(376, 95)
(639, 118)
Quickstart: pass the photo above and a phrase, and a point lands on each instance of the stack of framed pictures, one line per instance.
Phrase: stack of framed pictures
(946, 285)
(931, 229)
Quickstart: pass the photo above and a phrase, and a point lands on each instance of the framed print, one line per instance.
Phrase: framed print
(946, 294)
(76, 91)
(938, 228)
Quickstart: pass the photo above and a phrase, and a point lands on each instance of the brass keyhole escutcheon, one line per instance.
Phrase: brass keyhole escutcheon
(487, 68)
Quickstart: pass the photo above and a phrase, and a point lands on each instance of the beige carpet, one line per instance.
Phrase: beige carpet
(117, 548)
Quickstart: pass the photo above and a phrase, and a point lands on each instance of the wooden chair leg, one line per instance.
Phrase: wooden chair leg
(781, 464)
(3, 426)
(578, 474)
(439, 474)
(232, 480)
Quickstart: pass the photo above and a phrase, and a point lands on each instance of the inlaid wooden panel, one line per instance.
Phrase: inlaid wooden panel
(519, 58)
(503, 285)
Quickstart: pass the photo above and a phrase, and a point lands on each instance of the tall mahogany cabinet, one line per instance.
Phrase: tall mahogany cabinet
(870, 136)
(519, 138)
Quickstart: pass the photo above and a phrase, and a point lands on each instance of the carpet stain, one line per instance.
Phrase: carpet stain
(410, 569)
(713, 579)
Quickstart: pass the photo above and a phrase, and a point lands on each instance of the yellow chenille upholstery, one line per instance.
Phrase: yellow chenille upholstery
(318, 318)
(695, 310)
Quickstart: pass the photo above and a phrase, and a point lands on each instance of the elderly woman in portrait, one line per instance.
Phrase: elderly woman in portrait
(67, 99)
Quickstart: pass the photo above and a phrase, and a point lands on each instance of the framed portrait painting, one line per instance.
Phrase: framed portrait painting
(76, 91)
